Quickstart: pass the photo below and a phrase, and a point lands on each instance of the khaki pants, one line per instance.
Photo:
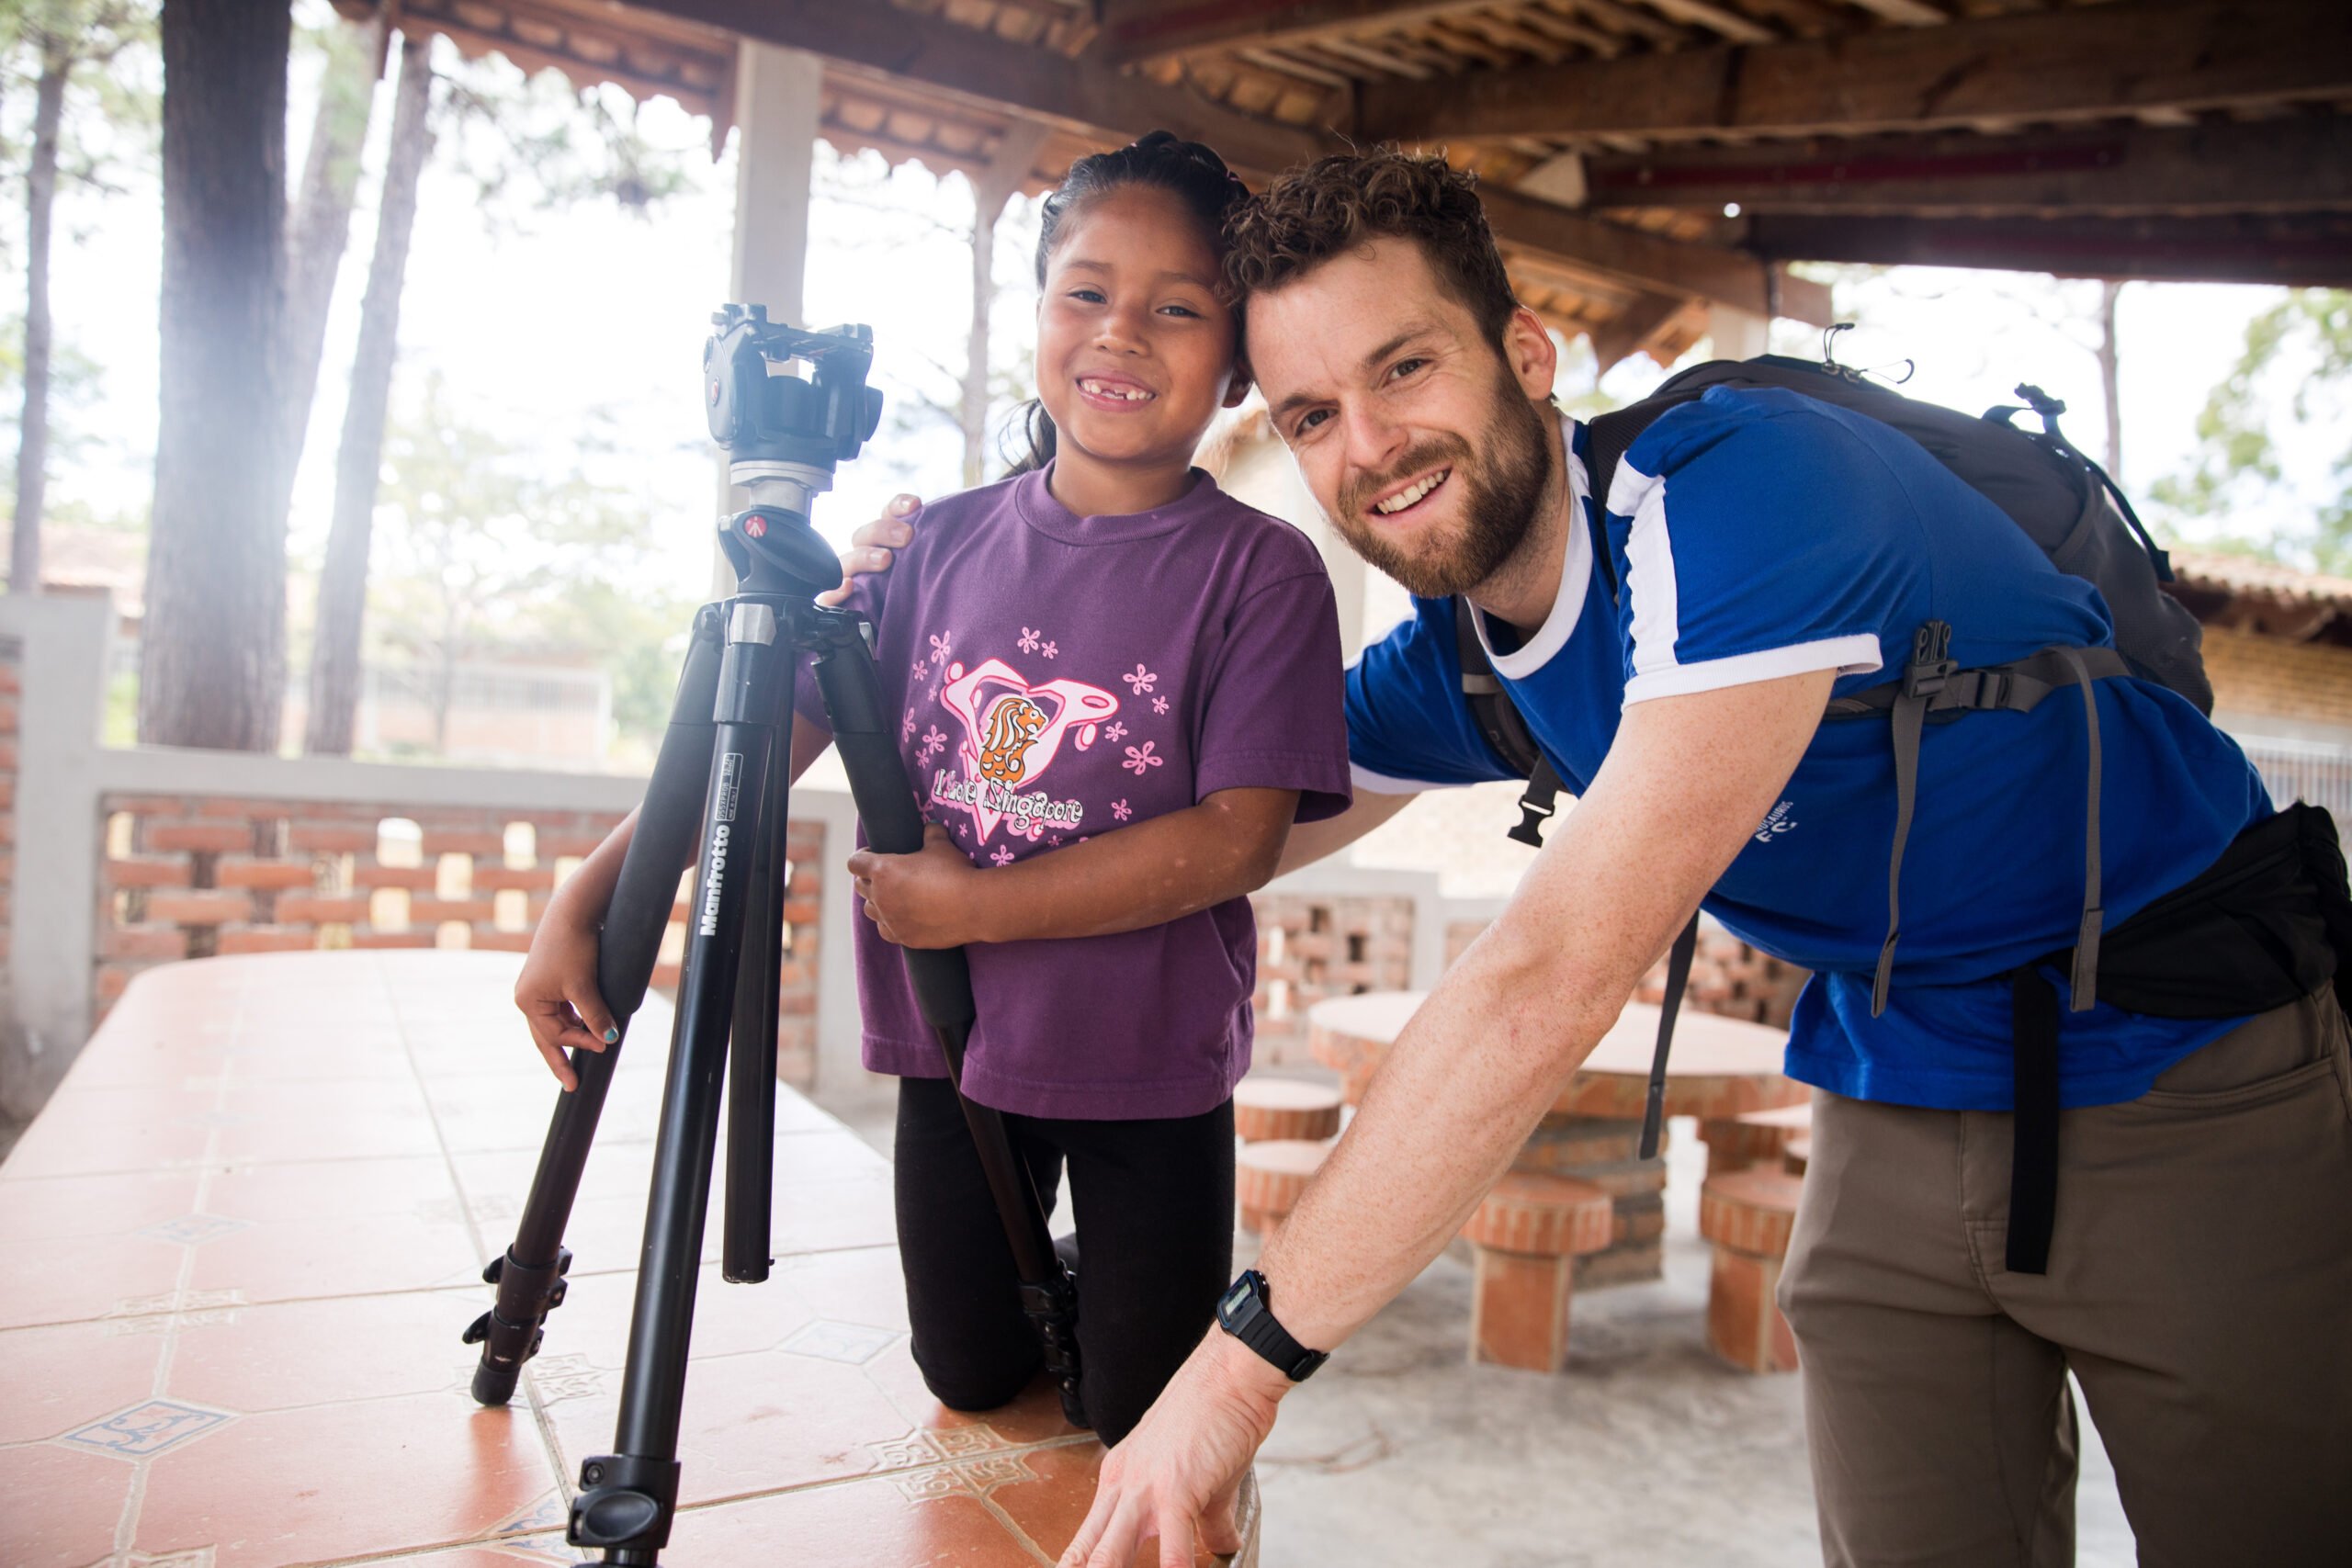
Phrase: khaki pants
(2199, 1288)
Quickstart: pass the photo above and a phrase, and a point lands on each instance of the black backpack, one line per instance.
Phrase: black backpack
(2062, 499)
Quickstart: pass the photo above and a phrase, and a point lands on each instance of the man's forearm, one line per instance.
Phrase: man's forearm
(1457, 1096)
(1475, 1069)
(1311, 842)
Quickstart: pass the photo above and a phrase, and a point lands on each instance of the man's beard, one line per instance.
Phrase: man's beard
(1501, 492)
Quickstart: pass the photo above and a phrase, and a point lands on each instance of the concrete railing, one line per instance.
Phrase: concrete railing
(124, 858)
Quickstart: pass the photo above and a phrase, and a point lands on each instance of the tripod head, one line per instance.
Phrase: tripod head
(784, 433)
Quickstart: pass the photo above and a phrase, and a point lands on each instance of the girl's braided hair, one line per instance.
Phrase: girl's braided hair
(1187, 170)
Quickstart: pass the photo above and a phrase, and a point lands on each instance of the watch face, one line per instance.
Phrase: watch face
(1238, 1294)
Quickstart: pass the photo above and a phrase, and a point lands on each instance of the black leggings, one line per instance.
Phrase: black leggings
(1155, 1223)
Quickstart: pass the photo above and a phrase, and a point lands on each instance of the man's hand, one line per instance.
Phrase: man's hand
(1183, 1462)
(930, 899)
(874, 545)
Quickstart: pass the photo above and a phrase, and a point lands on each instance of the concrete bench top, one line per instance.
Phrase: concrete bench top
(243, 1239)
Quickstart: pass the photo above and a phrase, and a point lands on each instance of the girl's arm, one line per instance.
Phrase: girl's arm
(1150, 874)
(557, 989)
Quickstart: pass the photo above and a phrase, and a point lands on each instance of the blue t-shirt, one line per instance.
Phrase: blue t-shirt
(1759, 534)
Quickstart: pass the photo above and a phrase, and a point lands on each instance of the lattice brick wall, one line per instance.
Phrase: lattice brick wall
(1314, 946)
(191, 876)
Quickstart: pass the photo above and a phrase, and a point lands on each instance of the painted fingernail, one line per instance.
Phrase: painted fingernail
(610, 1034)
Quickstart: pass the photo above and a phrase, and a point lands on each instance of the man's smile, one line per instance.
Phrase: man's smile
(1407, 496)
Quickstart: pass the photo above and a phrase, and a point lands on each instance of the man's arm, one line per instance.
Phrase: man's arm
(1311, 842)
(1685, 784)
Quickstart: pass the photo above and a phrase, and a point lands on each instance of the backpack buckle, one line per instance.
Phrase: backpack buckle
(1931, 663)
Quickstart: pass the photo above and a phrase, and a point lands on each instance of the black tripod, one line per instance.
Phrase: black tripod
(720, 786)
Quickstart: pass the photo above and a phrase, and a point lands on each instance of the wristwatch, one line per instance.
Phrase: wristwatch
(1246, 1312)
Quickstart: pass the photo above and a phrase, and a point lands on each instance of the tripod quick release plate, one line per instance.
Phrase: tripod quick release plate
(762, 412)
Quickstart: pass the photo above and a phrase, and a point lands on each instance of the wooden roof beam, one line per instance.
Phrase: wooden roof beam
(2313, 250)
(1719, 276)
(2281, 165)
(2076, 63)
(1093, 100)
(1136, 31)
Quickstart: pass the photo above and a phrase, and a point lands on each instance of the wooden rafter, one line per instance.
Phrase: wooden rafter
(1087, 98)
(2304, 249)
(2299, 165)
(2071, 64)
(1136, 31)
(1905, 13)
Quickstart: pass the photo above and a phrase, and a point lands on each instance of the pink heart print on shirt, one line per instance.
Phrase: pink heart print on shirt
(1013, 731)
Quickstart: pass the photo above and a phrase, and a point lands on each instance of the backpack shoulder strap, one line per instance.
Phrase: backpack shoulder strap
(1609, 436)
(1499, 722)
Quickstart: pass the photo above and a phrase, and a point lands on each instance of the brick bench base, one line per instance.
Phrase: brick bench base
(1525, 1238)
(1268, 1179)
(1756, 1139)
(1750, 1216)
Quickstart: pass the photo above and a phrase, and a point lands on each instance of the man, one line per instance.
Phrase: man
(1673, 651)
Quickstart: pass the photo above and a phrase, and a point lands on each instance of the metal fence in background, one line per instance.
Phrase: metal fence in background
(2309, 770)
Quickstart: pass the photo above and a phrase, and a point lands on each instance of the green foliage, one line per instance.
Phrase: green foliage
(2294, 374)
(488, 550)
(113, 116)
(537, 143)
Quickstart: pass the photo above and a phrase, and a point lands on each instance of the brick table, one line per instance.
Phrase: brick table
(1721, 1068)
(241, 1241)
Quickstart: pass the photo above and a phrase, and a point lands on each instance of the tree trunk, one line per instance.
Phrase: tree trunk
(2111, 378)
(212, 654)
(318, 232)
(40, 201)
(343, 583)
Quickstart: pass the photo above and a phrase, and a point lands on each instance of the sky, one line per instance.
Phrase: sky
(536, 320)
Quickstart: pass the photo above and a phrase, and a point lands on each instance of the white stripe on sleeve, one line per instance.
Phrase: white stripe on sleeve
(1649, 570)
(1853, 655)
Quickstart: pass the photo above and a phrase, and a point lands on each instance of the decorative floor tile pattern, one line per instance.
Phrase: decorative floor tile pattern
(240, 1251)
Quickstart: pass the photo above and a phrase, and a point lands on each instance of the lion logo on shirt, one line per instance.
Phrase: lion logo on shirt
(1010, 730)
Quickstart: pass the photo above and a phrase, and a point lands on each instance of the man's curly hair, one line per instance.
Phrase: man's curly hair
(1338, 203)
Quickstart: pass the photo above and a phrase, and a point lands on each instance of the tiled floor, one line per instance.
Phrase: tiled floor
(241, 1240)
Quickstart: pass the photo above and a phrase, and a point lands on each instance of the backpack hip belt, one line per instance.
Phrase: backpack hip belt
(2269, 923)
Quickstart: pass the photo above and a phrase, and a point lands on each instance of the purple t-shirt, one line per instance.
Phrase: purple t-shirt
(1064, 676)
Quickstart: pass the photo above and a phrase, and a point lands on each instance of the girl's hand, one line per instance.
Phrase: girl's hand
(930, 899)
(873, 546)
(558, 994)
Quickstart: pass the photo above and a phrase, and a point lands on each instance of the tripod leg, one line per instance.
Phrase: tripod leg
(751, 1070)
(943, 985)
(530, 1274)
(629, 1497)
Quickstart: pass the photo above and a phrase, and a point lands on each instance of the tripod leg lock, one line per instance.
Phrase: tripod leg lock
(509, 1332)
(1052, 1306)
(625, 1504)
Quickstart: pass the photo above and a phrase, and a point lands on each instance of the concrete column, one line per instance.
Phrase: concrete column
(776, 135)
(53, 913)
(1737, 334)
(775, 127)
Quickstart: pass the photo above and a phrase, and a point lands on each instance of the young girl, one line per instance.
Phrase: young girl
(1119, 688)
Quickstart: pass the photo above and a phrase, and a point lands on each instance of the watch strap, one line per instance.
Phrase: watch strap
(1246, 1312)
